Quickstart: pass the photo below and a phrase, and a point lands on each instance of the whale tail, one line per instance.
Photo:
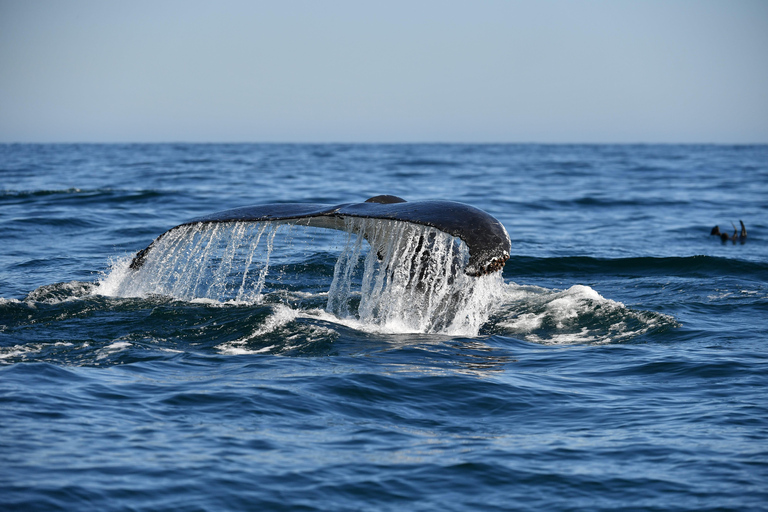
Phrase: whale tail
(486, 238)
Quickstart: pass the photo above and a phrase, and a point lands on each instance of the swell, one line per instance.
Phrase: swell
(78, 195)
(608, 203)
(425, 162)
(102, 331)
(71, 324)
(689, 266)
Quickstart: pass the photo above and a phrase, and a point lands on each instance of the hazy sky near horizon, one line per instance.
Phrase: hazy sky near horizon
(395, 71)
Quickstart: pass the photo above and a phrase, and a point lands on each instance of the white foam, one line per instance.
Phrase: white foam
(112, 348)
(576, 315)
(59, 292)
(281, 315)
(231, 349)
(19, 350)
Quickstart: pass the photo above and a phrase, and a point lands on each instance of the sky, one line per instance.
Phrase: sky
(549, 71)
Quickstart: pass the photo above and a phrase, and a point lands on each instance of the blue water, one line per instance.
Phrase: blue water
(622, 363)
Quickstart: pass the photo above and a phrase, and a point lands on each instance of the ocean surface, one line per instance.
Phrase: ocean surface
(619, 362)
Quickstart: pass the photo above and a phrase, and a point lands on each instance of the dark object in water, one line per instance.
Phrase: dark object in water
(486, 238)
(742, 237)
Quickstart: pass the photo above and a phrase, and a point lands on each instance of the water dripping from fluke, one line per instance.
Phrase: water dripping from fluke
(220, 262)
(426, 266)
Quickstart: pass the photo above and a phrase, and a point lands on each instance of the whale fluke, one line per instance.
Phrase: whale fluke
(487, 240)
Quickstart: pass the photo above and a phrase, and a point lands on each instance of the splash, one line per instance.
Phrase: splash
(410, 280)
(390, 276)
(221, 262)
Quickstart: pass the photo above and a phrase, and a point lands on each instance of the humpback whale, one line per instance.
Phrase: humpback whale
(487, 240)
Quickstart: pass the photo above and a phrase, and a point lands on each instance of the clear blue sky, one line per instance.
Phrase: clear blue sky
(394, 71)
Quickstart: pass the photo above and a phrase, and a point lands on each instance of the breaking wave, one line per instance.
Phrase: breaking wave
(576, 315)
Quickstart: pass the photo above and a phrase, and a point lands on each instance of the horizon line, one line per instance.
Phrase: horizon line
(379, 143)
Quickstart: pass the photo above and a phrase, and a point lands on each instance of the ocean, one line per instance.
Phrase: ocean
(619, 361)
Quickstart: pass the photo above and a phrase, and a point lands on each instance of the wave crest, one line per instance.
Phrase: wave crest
(576, 315)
